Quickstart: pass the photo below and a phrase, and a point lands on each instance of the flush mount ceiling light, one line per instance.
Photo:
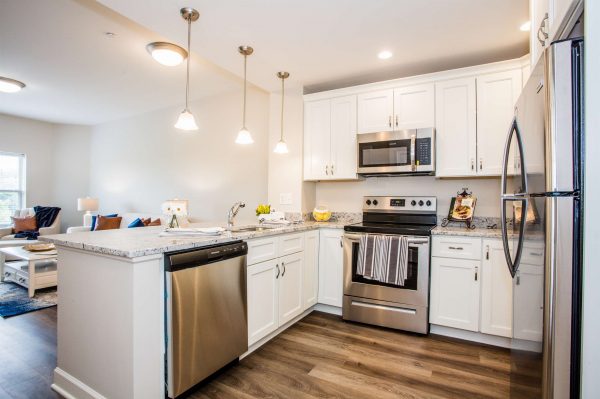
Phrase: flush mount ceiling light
(244, 136)
(384, 55)
(526, 27)
(281, 147)
(186, 120)
(8, 85)
(168, 54)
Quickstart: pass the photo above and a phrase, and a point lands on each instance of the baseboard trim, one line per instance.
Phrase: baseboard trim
(328, 309)
(71, 388)
(472, 336)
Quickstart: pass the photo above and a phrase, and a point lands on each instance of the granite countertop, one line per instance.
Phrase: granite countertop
(463, 231)
(133, 243)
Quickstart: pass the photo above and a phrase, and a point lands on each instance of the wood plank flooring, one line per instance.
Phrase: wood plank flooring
(319, 357)
(325, 357)
(28, 355)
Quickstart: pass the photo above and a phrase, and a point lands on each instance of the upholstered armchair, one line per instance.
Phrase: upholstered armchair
(6, 233)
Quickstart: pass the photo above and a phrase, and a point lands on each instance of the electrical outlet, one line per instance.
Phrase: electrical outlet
(285, 199)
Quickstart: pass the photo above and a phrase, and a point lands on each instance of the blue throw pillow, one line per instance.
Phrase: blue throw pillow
(112, 215)
(136, 223)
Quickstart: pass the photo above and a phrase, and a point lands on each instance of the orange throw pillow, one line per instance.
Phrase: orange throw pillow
(104, 223)
(27, 223)
(154, 223)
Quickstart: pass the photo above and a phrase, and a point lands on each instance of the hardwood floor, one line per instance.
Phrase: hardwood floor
(319, 357)
(324, 357)
(28, 355)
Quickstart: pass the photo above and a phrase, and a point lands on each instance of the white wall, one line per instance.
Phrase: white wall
(347, 196)
(591, 278)
(57, 165)
(139, 162)
(286, 170)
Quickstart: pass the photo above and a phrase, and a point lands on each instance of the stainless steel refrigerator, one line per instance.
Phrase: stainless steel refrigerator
(542, 219)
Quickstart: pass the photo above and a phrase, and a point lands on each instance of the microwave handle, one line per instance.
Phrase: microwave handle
(413, 142)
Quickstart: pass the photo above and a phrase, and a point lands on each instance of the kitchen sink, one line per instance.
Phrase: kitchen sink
(248, 229)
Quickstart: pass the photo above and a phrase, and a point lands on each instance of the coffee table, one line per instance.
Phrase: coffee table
(32, 270)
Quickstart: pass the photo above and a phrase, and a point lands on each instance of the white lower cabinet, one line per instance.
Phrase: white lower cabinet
(331, 267)
(263, 298)
(310, 281)
(496, 291)
(455, 287)
(290, 287)
(473, 292)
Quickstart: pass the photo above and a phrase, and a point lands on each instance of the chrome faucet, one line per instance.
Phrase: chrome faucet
(233, 211)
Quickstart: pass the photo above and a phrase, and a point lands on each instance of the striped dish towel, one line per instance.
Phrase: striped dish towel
(383, 258)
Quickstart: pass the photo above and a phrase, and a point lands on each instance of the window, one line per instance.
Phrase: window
(12, 185)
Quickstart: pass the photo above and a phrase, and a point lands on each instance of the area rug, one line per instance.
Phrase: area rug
(14, 299)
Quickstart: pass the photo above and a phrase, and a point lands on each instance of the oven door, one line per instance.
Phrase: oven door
(416, 287)
(387, 152)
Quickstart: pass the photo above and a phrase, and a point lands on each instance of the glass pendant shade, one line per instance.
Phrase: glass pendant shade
(186, 121)
(244, 137)
(281, 148)
(168, 54)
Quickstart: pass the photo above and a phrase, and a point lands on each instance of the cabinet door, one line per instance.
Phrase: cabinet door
(497, 94)
(455, 293)
(343, 138)
(496, 291)
(375, 111)
(456, 127)
(263, 299)
(414, 107)
(290, 287)
(317, 139)
(331, 267)
(529, 302)
(310, 282)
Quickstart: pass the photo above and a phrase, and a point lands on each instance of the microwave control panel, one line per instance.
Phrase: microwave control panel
(423, 151)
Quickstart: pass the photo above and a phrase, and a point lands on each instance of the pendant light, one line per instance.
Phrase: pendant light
(244, 136)
(8, 85)
(186, 120)
(167, 54)
(281, 147)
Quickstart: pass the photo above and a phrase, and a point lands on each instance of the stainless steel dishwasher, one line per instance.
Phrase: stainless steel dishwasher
(206, 312)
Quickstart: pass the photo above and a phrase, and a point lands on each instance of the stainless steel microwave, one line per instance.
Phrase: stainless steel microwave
(408, 152)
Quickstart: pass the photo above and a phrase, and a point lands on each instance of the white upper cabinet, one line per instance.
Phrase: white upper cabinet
(456, 130)
(317, 139)
(343, 138)
(330, 139)
(496, 291)
(375, 111)
(414, 107)
(497, 94)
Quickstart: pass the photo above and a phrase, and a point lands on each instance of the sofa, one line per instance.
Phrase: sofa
(6, 233)
(128, 217)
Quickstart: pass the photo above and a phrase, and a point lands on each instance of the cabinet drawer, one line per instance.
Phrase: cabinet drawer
(262, 249)
(457, 247)
(291, 243)
(533, 254)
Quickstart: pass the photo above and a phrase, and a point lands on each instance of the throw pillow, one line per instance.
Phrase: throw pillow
(27, 223)
(108, 223)
(94, 218)
(154, 223)
(136, 223)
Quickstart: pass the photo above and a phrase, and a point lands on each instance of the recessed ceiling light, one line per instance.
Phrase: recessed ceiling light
(384, 55)
(110, 35)
(168, 54)
(526, 27)
(8, 85)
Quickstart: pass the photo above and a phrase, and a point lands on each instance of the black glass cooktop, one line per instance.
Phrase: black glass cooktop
(390, 228)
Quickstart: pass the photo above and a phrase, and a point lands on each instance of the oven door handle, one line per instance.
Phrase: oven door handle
(413, 240)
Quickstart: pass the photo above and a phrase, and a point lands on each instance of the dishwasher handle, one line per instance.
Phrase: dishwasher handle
(185, 259)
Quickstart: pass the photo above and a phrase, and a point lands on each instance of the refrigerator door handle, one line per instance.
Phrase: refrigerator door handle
(513, 266)
(514, 128)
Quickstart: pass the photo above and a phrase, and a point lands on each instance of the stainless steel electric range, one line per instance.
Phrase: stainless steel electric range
(368, 301)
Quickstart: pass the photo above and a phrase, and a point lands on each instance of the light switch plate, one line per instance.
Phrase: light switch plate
(285, 199)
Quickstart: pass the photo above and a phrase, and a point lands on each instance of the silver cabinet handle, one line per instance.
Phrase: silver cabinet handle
(277, 266)
(390, 121)
(518, 280)
(332, 170)
(283, 265)
(480, 163)
(472, 164)
(341, 243)
(487, 254)
(456, 248)
(476, 272)
(535, 253)
(396, 120)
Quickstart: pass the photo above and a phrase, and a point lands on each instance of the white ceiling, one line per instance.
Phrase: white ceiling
(333, 43)
(75, 74)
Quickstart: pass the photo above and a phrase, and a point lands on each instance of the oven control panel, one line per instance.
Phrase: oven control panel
(400, 204)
